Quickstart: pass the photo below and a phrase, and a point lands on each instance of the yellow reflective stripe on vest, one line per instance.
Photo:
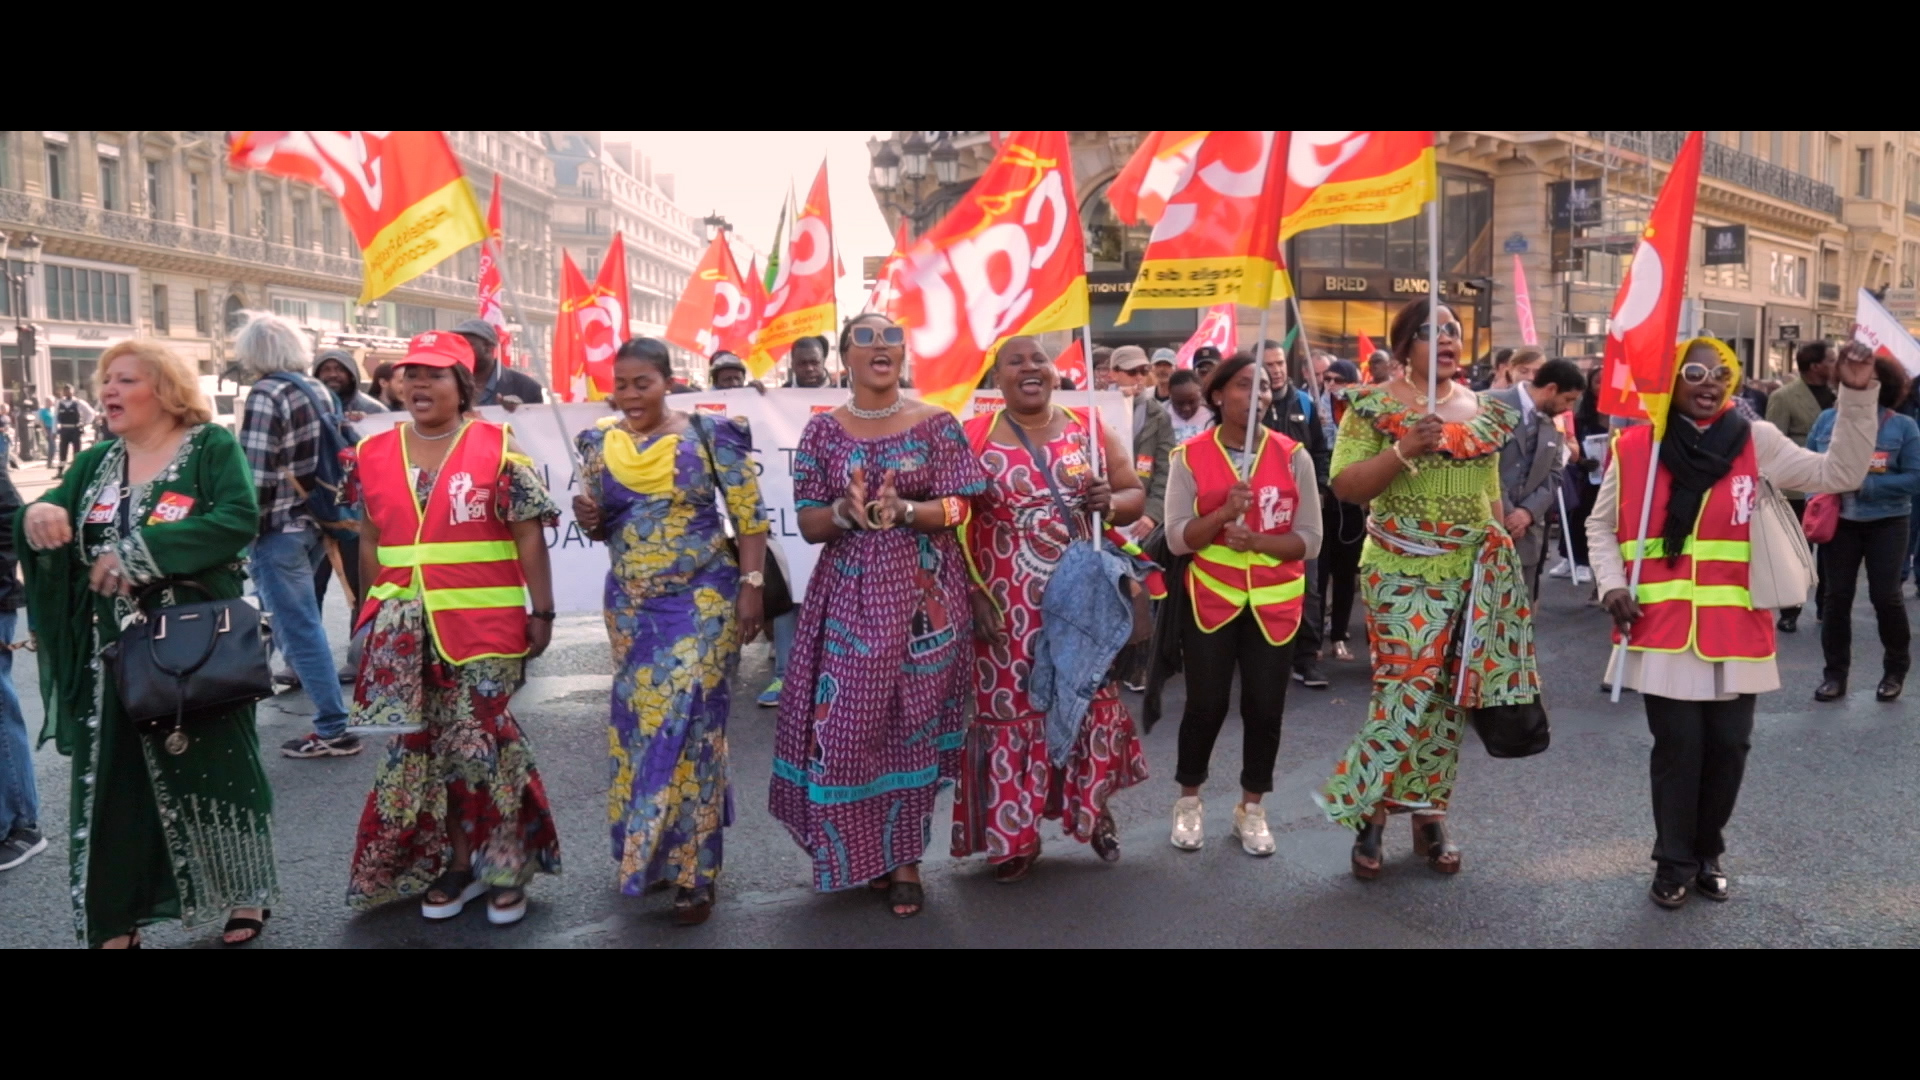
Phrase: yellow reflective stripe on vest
(461, 599)
(1281, 593)
(448, 554)
(1239, 560)
(1697, 595)
(1236, 597)
(390, 591)
(1713, 550)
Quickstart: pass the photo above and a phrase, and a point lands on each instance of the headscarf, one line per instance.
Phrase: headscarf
(1696, 458)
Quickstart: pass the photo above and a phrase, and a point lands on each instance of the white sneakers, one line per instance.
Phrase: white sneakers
(1189, 823)
(1249, 824)
(1580, 574)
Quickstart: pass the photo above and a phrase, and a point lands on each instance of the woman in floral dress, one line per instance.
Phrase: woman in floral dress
(678, 604)
(877, 694)
(1448, 617)
(457, 807)
(1014, 539)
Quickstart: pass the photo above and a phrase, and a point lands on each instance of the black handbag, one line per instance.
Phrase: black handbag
(187, 662)
(1513, 731)
(776, 598)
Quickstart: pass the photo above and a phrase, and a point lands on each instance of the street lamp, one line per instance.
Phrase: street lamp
(886, 169)
(24, 336)
(913, 157)
(946, 161)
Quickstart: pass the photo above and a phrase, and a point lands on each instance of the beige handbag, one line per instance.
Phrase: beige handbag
(1781, 571)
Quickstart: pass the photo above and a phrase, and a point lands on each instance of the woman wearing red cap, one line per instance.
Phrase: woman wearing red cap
(452, 540)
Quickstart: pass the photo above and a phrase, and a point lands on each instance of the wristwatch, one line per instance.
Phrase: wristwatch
(754, 578)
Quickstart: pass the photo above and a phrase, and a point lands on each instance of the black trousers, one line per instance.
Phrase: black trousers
(1699, 757)
(1881, 545)
(1265, 673)
(349, 562)
(1343, 535)
(69, 438)
(1312, 615)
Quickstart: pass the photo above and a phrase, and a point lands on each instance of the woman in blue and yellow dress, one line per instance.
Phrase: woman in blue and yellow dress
(678, 605)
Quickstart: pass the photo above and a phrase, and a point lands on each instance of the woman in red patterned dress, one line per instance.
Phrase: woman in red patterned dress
(1014, 539)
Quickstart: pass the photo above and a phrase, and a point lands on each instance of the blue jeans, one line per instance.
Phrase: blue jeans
(283, 565)
(19, 800)
(783, 641)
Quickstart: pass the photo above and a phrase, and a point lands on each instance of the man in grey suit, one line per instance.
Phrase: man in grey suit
(1530, 462)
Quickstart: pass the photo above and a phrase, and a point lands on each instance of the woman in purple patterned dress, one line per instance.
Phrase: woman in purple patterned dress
(878, 692)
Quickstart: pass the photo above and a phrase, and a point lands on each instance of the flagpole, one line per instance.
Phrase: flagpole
(1566, 535)
(1093, 418)
(513, 297)
(1259, 373)
(1433, 301)
(1617, 669)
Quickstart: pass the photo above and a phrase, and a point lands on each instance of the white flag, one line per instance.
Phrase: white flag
(1883, 334)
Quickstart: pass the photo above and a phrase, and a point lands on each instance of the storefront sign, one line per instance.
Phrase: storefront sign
(1573, 203)
(1516, 244)
(1726, 245)
(1367, 285)
(1902, 303)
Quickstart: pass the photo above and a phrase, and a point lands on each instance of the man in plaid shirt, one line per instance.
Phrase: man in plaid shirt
(281, 436)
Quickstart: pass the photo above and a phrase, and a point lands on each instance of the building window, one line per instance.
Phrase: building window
(202, 312)
(270, 216)
(1787, 274)
(593, 262)
(156, 191)
(193, 198)
(76, 294)
(56, 171)
(110, 184)
(161, 323)
(233, 209)
(292, 309)
(329, 229)
(1888, 157)
(413, 319)
(301, 238)
(1863, 183)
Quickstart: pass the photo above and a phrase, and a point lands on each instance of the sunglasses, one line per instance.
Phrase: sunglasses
(868, 336)
(1695, 374)
(1450, 329)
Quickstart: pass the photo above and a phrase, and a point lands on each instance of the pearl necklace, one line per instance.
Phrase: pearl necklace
(424, 437)
(877, 414)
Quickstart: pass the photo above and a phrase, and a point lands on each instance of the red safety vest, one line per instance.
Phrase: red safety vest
(1221, 581)
(455, 554)
(1701, 602)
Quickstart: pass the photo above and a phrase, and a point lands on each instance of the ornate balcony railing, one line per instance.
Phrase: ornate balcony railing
(1734, 166)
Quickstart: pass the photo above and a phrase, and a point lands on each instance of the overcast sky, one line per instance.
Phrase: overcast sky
(745, 175)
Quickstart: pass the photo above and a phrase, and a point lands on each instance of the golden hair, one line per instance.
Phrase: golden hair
(176, 386)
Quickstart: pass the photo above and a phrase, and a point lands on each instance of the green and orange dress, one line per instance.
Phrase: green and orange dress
(1448, 616)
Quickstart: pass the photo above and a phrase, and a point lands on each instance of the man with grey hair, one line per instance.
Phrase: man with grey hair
(281, 434)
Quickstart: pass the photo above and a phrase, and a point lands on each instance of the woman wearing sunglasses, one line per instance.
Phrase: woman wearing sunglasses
(1448, 619)
(1697, 651)
(878, 690)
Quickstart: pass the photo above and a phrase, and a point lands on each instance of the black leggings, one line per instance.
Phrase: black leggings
(1265, 672)
(1699, 758)
(1344, 533)
(1881, 545)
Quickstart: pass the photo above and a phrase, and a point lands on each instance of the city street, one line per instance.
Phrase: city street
(1555, 846)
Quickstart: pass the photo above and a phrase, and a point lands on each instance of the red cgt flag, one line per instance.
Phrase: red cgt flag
(1072, 364)
(490, 283)
(402, 193)
(716, 312)
(1150, 177)
(1219, 327)
(569, 357)
(1637, 377)
(1217, 238)
(886, 290)
(1008, 259)
(1355, 178)
(800, 301)
(603, 322)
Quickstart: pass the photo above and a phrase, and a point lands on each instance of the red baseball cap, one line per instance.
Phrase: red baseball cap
(439, 348)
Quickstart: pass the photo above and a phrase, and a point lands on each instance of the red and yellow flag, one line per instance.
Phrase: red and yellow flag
(402, 193)
(800, 300)
(1637, 377)
(716, 312)
(1008, 259)
(569, 356)
(1217, 240)
(490, 282)
(1150, 177)
(886, 290)
(603, 321)
(1355, 178)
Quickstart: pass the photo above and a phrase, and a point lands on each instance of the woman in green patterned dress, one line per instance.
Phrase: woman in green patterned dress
(155, 834)
(1448, 618)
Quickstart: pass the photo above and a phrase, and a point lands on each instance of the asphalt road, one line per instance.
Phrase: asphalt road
(1555, 846)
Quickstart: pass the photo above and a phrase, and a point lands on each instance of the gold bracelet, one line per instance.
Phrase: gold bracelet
(1410, 466)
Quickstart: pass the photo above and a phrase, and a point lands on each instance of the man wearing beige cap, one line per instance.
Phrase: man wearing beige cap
(1152, 442)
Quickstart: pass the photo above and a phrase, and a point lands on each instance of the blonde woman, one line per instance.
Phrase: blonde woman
(156, 833)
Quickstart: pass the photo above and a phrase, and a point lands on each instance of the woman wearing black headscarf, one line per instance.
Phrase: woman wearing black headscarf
(1697, 650)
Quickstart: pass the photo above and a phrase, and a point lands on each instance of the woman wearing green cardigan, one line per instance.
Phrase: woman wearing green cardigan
(155, 835)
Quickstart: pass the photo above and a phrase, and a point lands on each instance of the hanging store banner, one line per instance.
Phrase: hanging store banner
(777, 418)
(1572, 203)
(1724, 245)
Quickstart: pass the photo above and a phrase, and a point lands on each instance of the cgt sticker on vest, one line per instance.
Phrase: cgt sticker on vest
(102, 512)
(467, 502)
(1275, 512)
(1742, 499)
(172, 506)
